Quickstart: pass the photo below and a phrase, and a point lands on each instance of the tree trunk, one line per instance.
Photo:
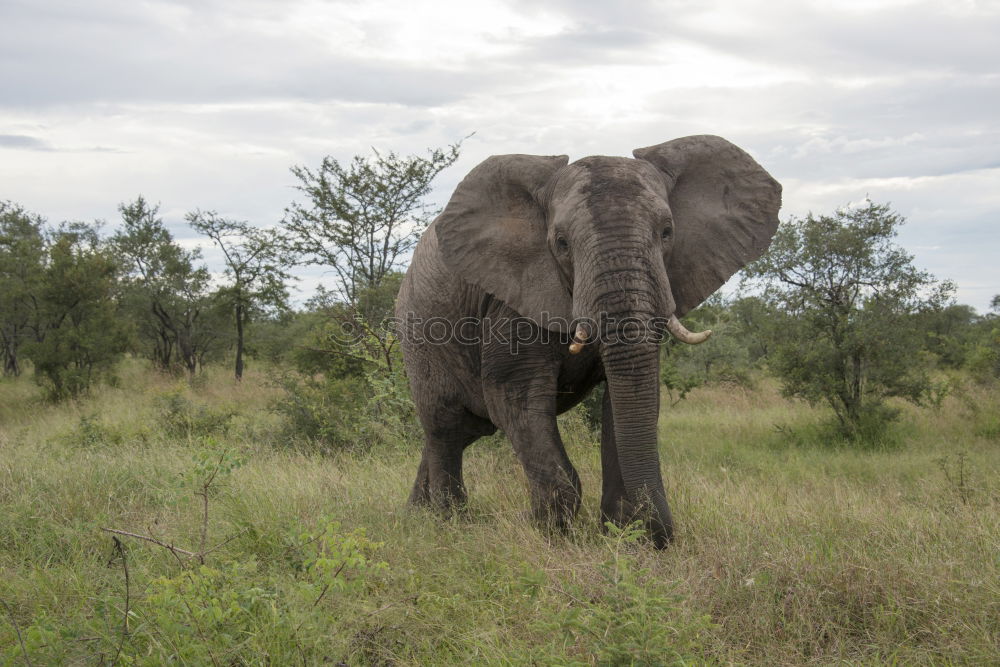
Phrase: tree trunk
(10, 364)
(239, 342)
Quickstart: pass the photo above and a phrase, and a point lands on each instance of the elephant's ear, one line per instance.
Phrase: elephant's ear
(725, 209)
(492, 233)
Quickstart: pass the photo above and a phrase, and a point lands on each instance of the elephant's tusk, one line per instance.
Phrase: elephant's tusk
(680, 332)
(579, 340)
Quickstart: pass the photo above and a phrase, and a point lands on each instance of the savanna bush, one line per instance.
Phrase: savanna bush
(370, 412)
(180, 416)
(92, 431)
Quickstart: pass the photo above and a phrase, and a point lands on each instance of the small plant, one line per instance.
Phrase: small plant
(632, 618)
(956, 474)
(322, 410)
(329, 559)
(206, 615)
(212, 464)
(677, 384)
(392, 417)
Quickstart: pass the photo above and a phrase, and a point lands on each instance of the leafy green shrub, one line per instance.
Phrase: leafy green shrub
(677, 383)
(203, 615)
(328, 559)
(178, 415)
(239, 613)
(391, 418)
(373, 411)
(592, 407)
(323, 410)
(92, 431)
(41, 637)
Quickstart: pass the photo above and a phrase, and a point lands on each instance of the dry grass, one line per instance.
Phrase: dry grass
(796, 549)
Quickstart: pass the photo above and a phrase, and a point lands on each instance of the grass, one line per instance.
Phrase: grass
(791, 548)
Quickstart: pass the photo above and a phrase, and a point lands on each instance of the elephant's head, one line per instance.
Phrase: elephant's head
(608, 240)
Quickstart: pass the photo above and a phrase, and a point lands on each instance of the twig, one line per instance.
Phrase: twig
(17, 629)
(172, 552)
(204, 495)
(327, 587)
(169, 547)
(120, 548)
(225, 542)
(321, 594)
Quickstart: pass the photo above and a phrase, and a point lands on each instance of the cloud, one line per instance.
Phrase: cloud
(23, 142)
(207, 104)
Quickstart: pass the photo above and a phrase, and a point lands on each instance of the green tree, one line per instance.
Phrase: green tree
(983, 357)
(22, 252)
(754, 318)
(949, 332)
(168, 295)
(77, 333)
(845, 297)
(724, 357)
(255, 263)
(362, 219)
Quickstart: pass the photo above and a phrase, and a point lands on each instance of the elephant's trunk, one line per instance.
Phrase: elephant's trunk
(625, 296)
(632, 371)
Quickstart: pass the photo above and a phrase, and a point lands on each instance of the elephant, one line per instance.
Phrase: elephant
(541, 279)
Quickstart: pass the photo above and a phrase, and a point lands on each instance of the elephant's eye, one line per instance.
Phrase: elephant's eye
(667, 232)
(562, 243)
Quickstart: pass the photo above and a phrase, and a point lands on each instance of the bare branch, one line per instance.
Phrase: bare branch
(169, 547)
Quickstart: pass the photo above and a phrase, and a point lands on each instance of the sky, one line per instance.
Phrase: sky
(206, 105)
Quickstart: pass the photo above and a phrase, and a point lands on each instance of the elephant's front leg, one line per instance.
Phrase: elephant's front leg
(520, 392)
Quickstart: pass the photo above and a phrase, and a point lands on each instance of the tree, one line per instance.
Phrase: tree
(255, 267)
(949, 332)
(983, 358)
(167, 293)
(361, 219)
(845, 297)
(77, 335)
(22, 251)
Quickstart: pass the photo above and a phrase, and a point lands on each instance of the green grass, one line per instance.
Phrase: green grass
(791, 547)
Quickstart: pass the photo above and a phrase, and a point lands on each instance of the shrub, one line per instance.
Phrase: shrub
(323, 410)
(92, 431)
(373, 411)
(179, 416)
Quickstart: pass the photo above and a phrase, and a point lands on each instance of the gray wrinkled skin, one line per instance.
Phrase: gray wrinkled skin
(535, 238)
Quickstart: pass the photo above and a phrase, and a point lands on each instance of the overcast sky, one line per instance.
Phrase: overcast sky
(206, 104)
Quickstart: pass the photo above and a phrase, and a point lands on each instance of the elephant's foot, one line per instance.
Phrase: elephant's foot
(440, 492)
(554, 505)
